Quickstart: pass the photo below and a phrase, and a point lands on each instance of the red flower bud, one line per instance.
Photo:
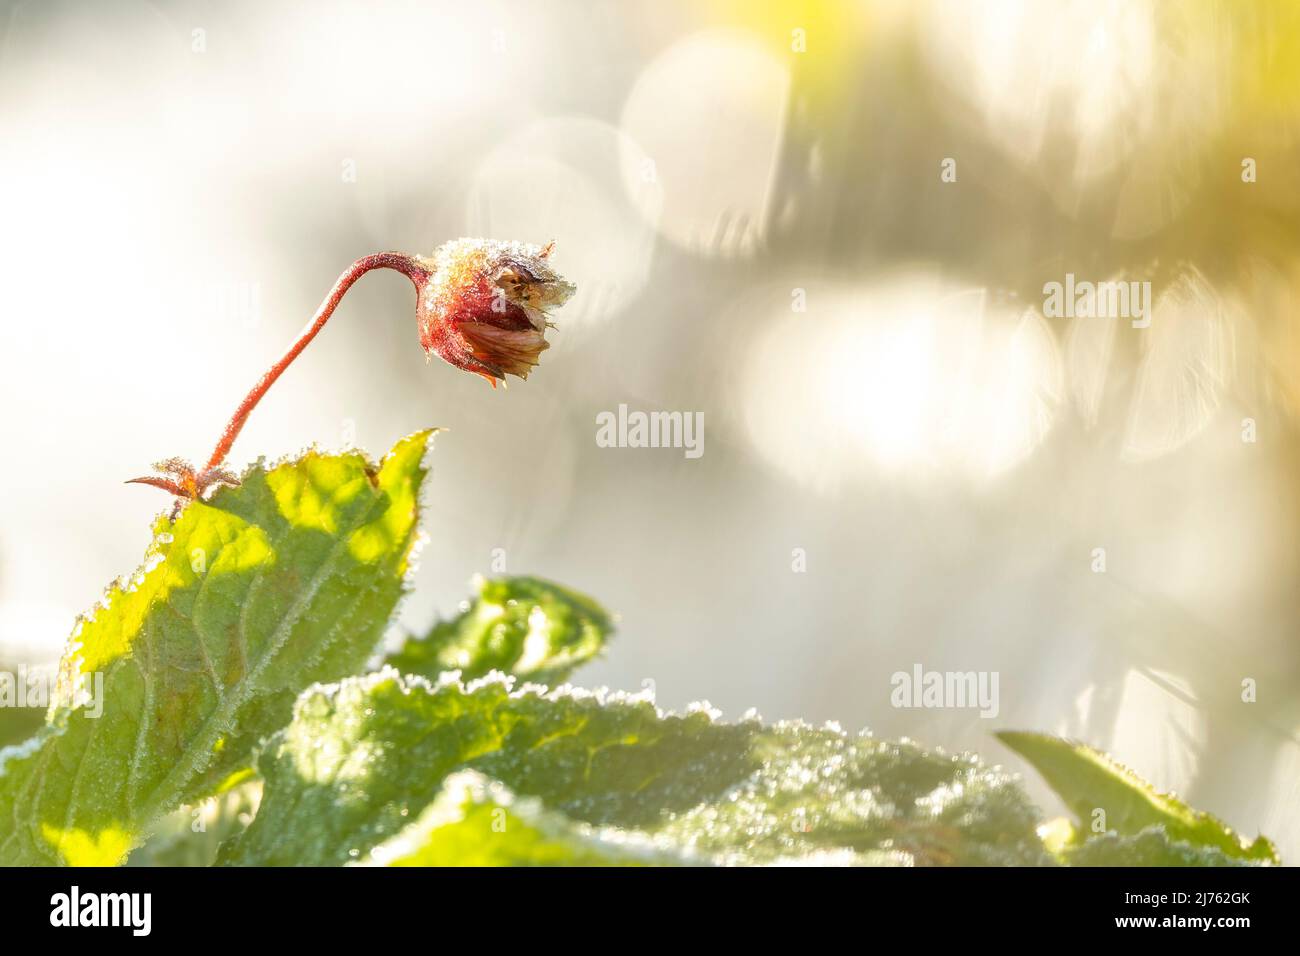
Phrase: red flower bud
(484, 307)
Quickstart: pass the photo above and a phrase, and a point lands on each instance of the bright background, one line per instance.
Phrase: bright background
(180, 183)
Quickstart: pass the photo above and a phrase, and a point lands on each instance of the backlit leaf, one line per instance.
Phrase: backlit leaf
(364, 758)
(169, 683)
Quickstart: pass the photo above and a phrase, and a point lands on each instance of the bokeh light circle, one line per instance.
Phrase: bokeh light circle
(709, 114)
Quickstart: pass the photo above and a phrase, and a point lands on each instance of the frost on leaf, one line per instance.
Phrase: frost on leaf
(533, 629)
(477, 821)
(1151, 846)
(363, 759)
(284, 581)
(1142, 824)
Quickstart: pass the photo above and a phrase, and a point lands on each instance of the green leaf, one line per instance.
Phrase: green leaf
(19, 723)
(1149, 847)
(17, 676)
(286, 580)
(525, 626)
(476, 821)
(1088, 780)
(363, 758)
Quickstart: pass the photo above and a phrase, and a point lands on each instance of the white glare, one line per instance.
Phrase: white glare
(910, 379)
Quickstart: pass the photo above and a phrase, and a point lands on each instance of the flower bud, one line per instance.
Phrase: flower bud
(484, 307)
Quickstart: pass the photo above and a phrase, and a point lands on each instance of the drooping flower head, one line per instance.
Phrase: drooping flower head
(482, 306)
(485, 306)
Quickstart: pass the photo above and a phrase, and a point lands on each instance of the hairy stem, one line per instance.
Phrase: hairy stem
(404, 264)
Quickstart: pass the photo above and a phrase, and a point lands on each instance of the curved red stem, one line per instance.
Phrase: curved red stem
(407, 265)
